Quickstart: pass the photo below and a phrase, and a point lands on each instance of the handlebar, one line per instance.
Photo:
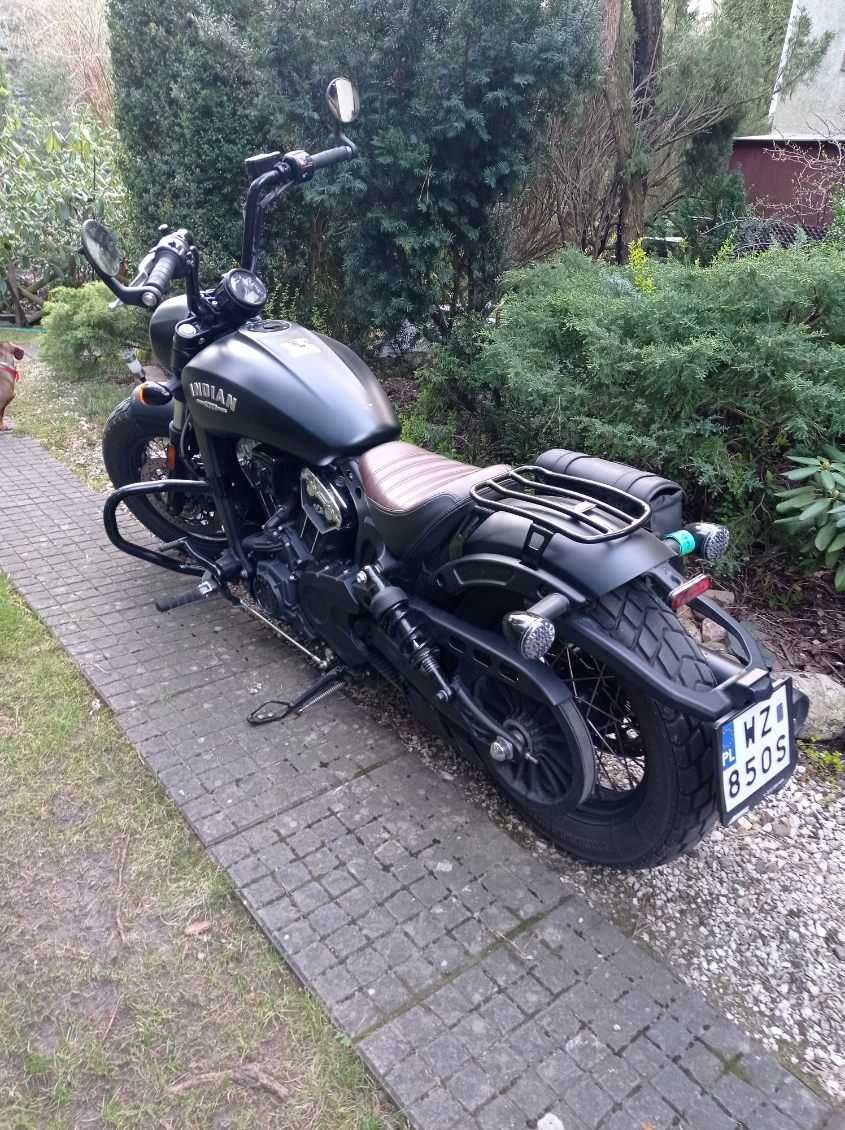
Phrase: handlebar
(167, 260)
(275, 177)
(170, 258)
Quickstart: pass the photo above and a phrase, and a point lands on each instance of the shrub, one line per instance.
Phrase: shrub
(816, 508)
(83, 338)
(709, 378)
(452, 94)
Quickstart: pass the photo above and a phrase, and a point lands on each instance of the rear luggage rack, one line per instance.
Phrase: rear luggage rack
(525, 491)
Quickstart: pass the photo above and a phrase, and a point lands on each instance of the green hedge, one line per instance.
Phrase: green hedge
(708, 375)
(454, 94)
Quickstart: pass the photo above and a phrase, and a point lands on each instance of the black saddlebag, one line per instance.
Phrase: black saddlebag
(665, 498)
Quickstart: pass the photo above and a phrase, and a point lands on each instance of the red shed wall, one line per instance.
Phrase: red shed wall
(770, 184)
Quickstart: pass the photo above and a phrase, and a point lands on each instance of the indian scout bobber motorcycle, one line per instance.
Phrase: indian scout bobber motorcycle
(529, 613)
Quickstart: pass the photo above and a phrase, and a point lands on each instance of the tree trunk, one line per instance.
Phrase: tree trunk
(12, 280)
(633, 155)
(631, 220)
(610, 27)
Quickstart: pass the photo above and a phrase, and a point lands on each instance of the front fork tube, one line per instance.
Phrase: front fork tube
(218, 481)
(177, 423)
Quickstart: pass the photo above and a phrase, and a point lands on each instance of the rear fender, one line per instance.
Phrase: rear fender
(499, 553)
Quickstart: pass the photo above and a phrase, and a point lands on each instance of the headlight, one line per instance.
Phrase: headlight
(242, 289)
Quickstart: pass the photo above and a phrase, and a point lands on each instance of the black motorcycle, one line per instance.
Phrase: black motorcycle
(528, 613)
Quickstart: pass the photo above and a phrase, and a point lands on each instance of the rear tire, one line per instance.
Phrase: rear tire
(133, 449)
(666, 765)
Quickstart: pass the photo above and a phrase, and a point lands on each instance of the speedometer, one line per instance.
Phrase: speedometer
(243, 289)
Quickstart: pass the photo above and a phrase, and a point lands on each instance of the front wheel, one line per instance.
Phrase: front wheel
(655, 789)
(134, 450)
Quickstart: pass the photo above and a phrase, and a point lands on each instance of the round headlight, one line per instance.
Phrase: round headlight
(244, 289)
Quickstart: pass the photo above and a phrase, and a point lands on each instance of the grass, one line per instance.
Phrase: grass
(113, 1010)
(827, 763)
(68, 417)
(18, 337)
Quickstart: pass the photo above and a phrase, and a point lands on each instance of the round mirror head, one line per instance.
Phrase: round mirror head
(101, 247)
(342, 98)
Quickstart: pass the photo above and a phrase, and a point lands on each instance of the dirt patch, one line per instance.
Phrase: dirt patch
(398, 378)
(800, 617)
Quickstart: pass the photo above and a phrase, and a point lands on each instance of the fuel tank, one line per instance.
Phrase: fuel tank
(284, 385)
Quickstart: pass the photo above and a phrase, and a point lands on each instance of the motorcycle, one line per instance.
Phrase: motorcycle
(530, 614)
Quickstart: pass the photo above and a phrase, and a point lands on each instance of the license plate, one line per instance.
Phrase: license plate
(756, 752)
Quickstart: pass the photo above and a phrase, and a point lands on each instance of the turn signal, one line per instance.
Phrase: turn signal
(711, 541)
(704, 538)
(689, 590)
(153, 393)
(532, 634)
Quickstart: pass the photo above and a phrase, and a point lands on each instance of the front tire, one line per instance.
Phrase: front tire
(134, 446)
(655, 793)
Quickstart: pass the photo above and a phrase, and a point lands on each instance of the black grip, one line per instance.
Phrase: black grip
(332, 156)
(161, 276)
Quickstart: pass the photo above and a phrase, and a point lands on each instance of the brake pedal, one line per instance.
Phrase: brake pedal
(202, 591)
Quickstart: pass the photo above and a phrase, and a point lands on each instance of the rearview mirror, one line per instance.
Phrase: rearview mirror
(101, 247)
(342, 99)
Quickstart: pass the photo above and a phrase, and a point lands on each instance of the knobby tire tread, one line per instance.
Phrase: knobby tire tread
(635, 616)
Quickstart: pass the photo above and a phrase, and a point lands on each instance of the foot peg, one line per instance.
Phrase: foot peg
(203, 591)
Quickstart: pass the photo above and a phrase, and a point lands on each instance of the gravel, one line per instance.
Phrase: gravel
(754, 917)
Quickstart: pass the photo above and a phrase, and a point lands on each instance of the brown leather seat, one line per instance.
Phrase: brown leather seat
(416, 495)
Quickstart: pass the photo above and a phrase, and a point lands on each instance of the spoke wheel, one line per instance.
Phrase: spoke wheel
(654, 794)
(135, 450)
(620, 752)
(196, 514)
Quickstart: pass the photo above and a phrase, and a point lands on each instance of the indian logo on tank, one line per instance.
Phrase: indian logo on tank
(210, 396)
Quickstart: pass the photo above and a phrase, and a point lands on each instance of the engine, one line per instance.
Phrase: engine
(306, 542)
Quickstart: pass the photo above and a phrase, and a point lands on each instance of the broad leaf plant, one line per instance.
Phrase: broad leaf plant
(816, 508)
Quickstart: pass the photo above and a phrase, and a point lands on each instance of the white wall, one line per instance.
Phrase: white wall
(818, 106)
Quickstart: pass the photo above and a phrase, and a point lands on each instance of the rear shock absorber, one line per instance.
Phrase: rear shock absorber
(388, 607)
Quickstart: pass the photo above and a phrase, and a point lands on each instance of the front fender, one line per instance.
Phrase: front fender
(580, 571)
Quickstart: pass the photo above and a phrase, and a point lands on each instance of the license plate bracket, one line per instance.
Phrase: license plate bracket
(755, 752)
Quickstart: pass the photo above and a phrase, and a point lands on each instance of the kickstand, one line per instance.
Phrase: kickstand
(326, 685)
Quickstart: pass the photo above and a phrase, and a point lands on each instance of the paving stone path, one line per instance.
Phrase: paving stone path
(481, 991)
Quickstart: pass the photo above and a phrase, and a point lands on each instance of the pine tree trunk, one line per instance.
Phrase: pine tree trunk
(631, 223)
(632, 148)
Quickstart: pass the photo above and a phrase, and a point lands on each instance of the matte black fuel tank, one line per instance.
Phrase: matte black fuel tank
(286, 386)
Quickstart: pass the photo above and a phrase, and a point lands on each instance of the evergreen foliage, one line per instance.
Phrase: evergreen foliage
(714, 197)
(452, 94)
(188, 108)
(709, 376)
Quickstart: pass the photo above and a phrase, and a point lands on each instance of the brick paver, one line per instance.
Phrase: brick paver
(482, 992)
